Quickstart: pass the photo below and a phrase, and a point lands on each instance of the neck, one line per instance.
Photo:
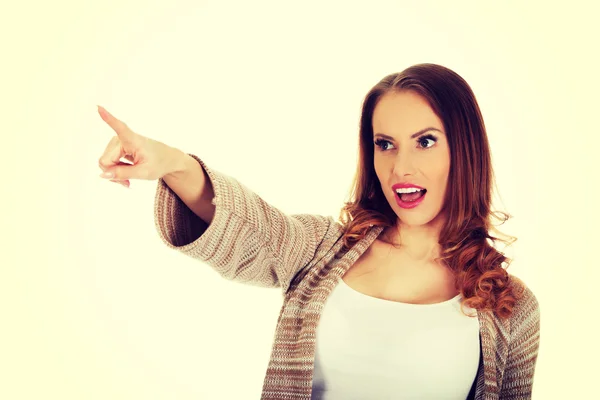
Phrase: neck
(419, 242)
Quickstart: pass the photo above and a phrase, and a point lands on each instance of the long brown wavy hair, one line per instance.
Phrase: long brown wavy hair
(467, 246)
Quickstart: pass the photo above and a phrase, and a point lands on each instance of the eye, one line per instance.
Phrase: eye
(427, 137)
(423, 139)
(379, 143)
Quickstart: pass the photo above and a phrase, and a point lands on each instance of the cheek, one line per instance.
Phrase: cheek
(379, 171)
(439, 168)
(442, 179)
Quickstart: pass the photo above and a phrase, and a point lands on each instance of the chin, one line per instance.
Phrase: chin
(417, 217)
(420, 215)
(416, 220)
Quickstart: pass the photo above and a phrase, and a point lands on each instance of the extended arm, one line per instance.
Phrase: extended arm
(244, 239)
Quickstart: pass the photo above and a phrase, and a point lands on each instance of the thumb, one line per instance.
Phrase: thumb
(124, 171)
(122, 130)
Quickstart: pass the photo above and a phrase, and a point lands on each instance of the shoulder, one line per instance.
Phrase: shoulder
(523, 293)
(526, 311)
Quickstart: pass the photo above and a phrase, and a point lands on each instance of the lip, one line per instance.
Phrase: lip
(412, 204)
(405, 185)
(404, 204)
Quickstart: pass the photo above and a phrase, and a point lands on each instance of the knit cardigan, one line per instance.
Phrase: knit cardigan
(252, 242)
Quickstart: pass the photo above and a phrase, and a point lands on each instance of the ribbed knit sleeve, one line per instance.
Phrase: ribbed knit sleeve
(523, 348)
(248, 240)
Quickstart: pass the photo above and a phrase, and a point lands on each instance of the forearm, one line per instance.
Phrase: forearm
(191, 184)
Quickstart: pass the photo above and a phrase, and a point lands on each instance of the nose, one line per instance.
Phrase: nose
(403, 165)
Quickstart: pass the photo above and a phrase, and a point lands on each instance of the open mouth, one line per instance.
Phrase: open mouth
(412, 196)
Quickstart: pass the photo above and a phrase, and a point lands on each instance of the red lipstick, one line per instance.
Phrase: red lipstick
(408, 204)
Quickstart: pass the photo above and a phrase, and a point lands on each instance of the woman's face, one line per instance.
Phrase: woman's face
(404, 156)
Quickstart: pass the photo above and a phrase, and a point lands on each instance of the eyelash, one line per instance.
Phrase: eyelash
(380, 141)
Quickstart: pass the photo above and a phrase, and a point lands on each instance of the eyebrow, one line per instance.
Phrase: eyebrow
(414, 135)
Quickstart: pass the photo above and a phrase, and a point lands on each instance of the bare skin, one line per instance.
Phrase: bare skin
(389, 274)
(149, 159)
(399, 265)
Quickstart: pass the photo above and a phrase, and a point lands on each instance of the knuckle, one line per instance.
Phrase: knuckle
(113, 141)
(105, 161)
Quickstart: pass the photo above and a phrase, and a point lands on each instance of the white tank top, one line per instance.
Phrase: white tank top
(370, 348)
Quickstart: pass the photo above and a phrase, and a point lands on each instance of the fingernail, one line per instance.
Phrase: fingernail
(107, 175)
(105, 114)
(122, 183)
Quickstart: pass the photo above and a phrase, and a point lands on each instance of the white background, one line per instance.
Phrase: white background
(94, 306)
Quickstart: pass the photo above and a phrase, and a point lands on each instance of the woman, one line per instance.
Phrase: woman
(407, 297)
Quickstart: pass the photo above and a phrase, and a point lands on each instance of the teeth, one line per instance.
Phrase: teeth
(408, 190)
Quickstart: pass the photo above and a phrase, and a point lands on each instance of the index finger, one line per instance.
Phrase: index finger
(116, 124)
